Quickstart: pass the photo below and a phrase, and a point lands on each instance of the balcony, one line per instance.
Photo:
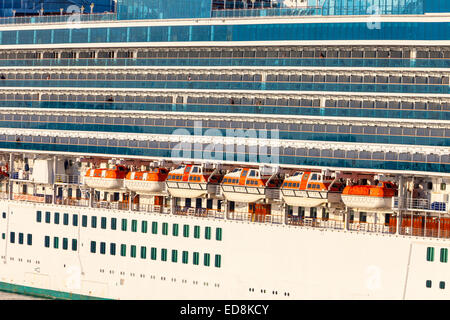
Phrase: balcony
(421, 205)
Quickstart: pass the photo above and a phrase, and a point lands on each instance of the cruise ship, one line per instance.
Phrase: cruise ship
(225, 149)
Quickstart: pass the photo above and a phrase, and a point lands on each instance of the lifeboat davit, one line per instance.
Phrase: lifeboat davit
(147, 182)
(369, 196)
(192, 181)
(106, 178)
(248, 185)
(310, 189)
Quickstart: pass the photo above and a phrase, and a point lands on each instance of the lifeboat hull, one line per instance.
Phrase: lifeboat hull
(302, 198)
(243, 194)
(103, 183)
(187, 189)
(145, 187)
(366, 202)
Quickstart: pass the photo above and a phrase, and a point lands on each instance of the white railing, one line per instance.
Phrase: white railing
(69, 179)
(199, 212)
(417, 204)
(315, 222)
(251, 217)
(371, 227)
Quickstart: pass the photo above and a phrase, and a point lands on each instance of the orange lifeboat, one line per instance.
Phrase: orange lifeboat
(147, 182)
(192, 181)
(106, 178)
(310, 189)
(248, 185)
(370, 196)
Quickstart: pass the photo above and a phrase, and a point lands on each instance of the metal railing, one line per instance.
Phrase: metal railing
(371, 227)
(69, 179)
(267, 12)
(315, 222)
(53, 19)
(199, 212)
(111, 205)
(252, 217)
(72, 202)
(144, 207)
(417, 204)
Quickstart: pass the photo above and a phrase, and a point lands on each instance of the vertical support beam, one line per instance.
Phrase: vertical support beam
(401, 196)
(11, 170)
(91, 200)
(130, 202)
(54, 179)
(439, 224)
(172, 204)
(346, 219)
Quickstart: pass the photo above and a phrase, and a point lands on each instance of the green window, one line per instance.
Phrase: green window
(47, 241)
(84, 221)
(112, 249)
(174, 255)
(195, 258)
(55, 242)
(29, 239)
(185, 257)
(206, 259)
(12, 237)
(20, 238)
(133, 225)
(186, 231)
(208, 233)
(153, 254)
(93, 246)
(218, 261)
(428, 284)
(74, 244)
(65, 243)
(75, 220)
(175, 229)
(444, 254)
(103, 222)
(143, 252)
(165, 228)
(197, 232)
(38, 216)
(3, 236)
(442, 285)
(219, 234)
(102, 247)
(144, 226)
(154, 227)
(430, 254)
(123, 250)
(113, 223)
(94, 222)
(133, 251)
(124, 224)
(56, 218)
(66, 219)
(164, 254)
(47, 217)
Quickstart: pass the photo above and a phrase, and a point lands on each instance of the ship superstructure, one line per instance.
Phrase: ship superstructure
(226, 149)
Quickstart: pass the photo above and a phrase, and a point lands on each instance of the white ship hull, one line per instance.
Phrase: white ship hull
(145, 187)
(362, 202)
(382, 266)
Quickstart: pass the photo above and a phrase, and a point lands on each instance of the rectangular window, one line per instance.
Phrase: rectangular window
(123, 250)
(65, 219)
(112, 249)
(430, 254)
(175, 229)
(197, 232)
(102, 248)
(195, 258)
(133, 225)
(93, 246)
(154, 227)
(144, 226)
(208, 233)
(153, 254)
(74, 244)
(29, 239)
(428, 284)
(103, 222)
(124, 224)
(164, 254)
(143, 252)
(186, 231)
(3, 236)
(219, 234)
(65, 243)
(55, 242)
(84, 221)
(38, 216)
(444, 254)
(113, 223)
(185, 257)
(47, 217)
(165, 228)
(206, 259)
(12, 237)
(75, 220)
(133, 251)
(174, 255)
(442, 285)
(56, 218)
(20, 238)
(218, 261)
(47, 241)
(94, 222)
